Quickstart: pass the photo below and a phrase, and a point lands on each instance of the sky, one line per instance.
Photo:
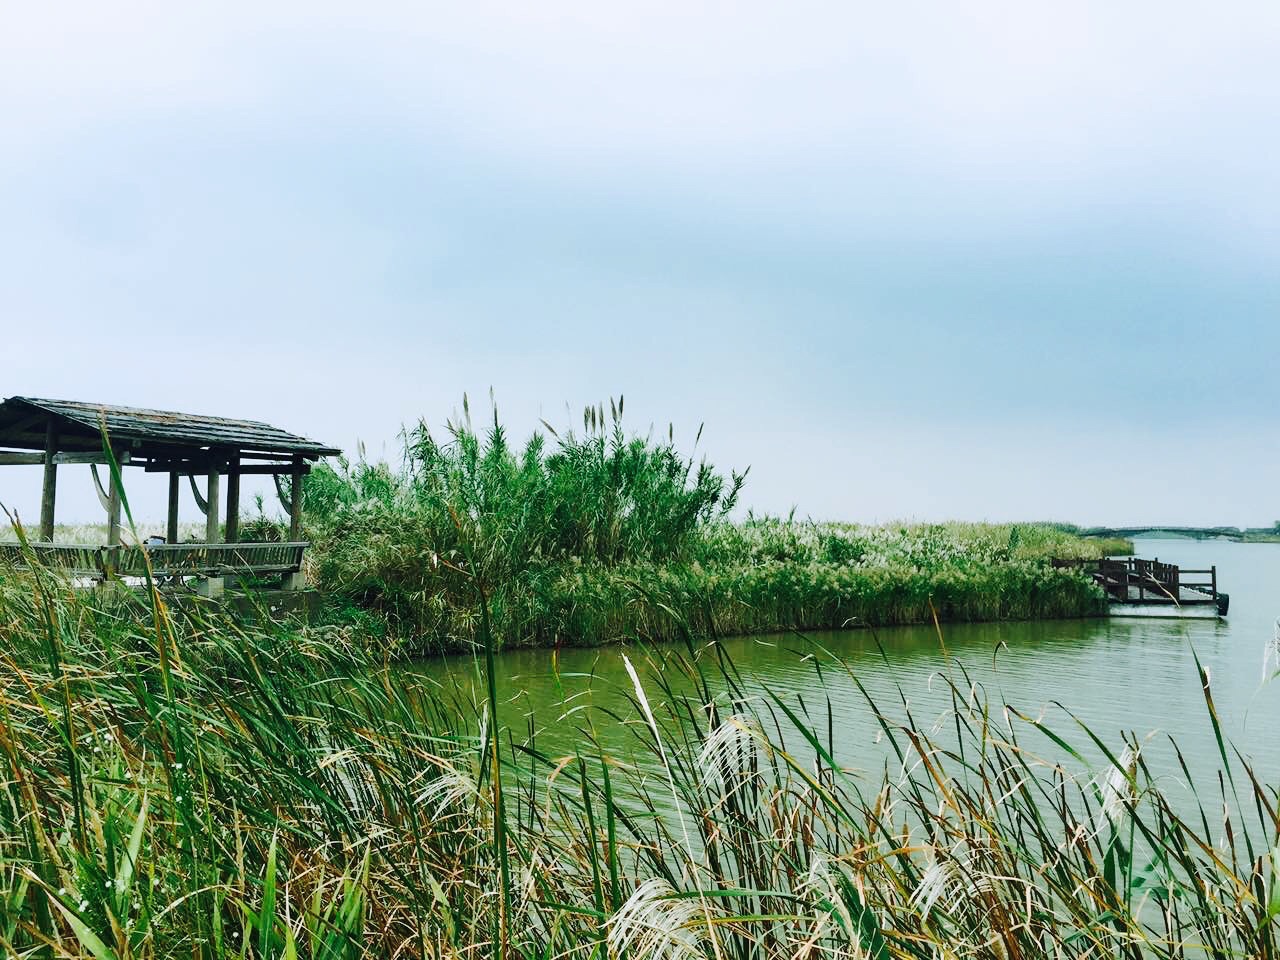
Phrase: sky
(994, 260)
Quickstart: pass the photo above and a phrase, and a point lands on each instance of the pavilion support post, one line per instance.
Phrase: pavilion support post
(50, 482)
(232, 532)
(294, 581)
(212, 586)
(295, 502)
(212, 512)
(113, 514)
(171, 528)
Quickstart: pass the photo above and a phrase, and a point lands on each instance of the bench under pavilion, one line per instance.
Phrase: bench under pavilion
(53, 433)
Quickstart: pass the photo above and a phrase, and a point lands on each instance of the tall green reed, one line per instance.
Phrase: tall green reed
(566, 525)
(333, 806)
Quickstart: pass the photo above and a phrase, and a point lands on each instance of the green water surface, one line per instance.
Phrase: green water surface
(1117, 676)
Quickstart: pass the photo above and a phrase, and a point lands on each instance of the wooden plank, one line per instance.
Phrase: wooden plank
(272, 469)
(200, 467)
(11, 459)
(122, 457)
(77, 560)
(232, 532)
(175, 488)
(49, 493)
(217, 559)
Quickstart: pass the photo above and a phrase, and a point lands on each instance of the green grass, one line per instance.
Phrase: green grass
(594, 536)
(177, 783)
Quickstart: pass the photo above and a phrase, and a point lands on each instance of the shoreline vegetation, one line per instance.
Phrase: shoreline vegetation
(597, 536)
(183, 782)
(179, 783)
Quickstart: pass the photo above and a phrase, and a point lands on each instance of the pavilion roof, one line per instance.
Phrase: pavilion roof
(23, 422)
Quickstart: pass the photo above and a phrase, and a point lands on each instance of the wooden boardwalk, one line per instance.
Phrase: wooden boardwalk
(1185, 595)
(1138, 587)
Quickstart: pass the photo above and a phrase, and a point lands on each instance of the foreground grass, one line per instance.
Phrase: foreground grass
(598, 536)
(179, 784)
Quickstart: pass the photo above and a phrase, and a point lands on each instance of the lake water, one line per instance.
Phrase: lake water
(1116, 675)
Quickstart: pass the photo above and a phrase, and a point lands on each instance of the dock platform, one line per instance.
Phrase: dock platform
(1148, 588)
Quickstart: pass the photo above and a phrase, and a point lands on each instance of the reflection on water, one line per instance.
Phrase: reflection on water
(1115, 676)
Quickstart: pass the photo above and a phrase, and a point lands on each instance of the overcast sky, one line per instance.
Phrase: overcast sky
(984, 260)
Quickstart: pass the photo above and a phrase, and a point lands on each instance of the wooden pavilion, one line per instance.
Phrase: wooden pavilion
(51, 433)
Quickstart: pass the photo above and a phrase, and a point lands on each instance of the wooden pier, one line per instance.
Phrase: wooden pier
(1149, 588)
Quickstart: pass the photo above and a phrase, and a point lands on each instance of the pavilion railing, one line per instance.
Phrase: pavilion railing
(76, 559)
(167, 560)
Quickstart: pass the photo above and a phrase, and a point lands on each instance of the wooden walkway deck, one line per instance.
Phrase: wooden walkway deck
(1138, 587)
(1185, 595)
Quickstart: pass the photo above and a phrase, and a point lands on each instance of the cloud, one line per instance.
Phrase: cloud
(959, 221)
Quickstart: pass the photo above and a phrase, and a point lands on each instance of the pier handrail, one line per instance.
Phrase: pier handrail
(1154, 581)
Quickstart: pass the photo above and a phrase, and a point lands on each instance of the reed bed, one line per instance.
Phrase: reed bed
(178, 783)
(594, 536)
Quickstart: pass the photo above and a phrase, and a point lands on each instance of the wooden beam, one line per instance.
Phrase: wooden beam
(200, 468)
(171, 528)
(122, 457)
(295, 502)
(9, 459)
(50, 492)
(273, 469)
(212, 513)
(232, 532)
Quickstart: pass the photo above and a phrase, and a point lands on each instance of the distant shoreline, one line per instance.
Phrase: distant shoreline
(1236, 534)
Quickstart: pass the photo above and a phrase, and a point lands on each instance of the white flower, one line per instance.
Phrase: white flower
(652, 925)
(932, 888)
(729, 747)
(447, 789)
(84, 905)
(1116, 788)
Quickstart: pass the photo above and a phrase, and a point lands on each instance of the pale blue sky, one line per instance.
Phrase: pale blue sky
(998, 260)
